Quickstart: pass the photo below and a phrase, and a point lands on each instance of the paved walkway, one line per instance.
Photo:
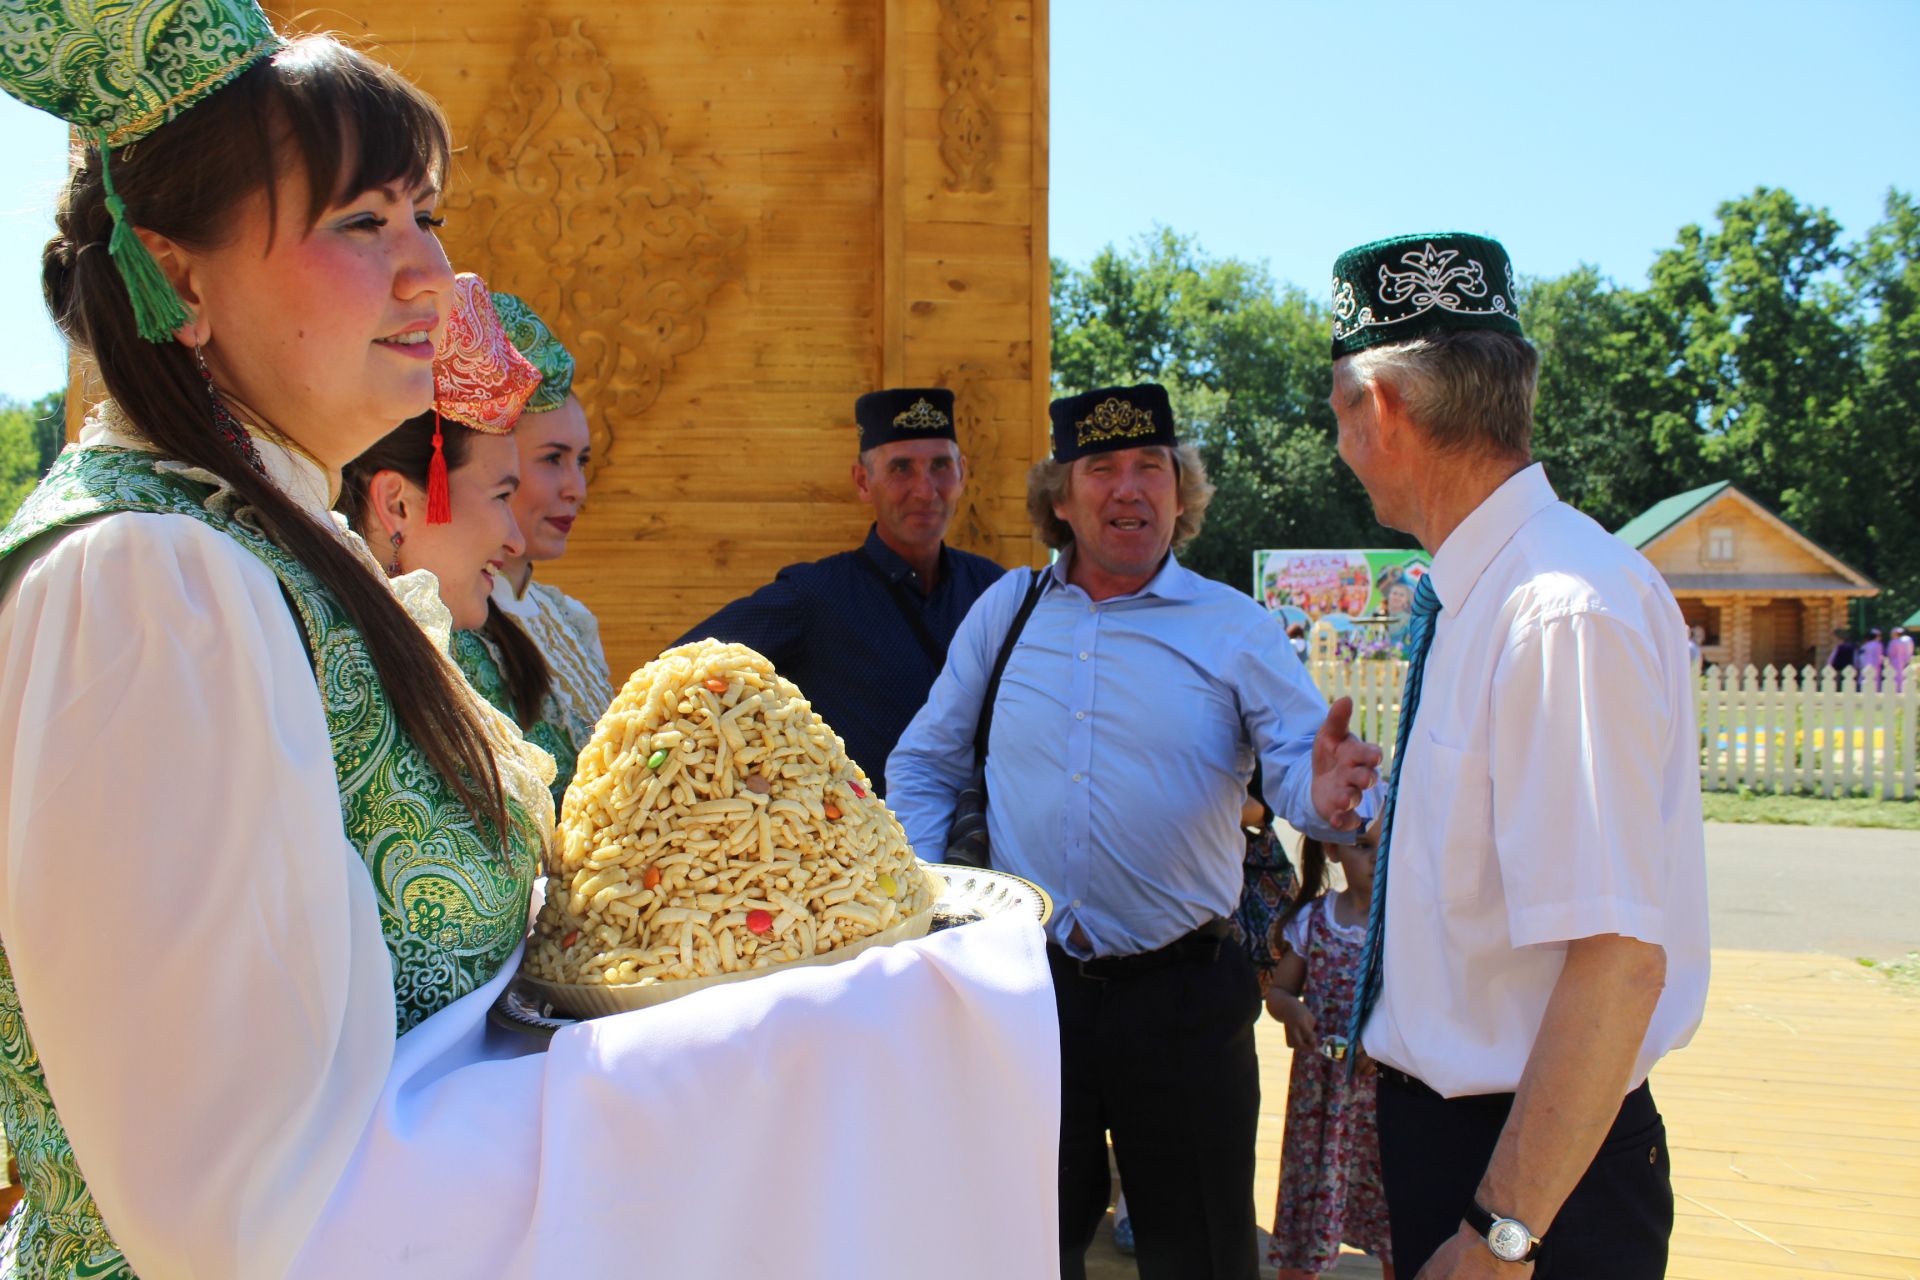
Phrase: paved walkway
(1836, 890)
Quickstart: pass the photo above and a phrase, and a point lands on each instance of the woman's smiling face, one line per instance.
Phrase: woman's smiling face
(326, 333)
(466, 554)
(554, 450)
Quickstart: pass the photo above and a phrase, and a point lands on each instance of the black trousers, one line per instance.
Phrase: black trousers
(1165, 1062)
(1615, 1225)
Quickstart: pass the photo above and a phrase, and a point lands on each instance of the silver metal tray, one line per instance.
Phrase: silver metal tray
(970, 894)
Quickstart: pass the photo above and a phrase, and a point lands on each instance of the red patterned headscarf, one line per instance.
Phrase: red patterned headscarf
(479, 380)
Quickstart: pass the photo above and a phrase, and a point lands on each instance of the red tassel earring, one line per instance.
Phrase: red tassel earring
(439, 495)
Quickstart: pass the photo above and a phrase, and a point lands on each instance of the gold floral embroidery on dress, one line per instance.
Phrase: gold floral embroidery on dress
(921, 417)
(1113, 419)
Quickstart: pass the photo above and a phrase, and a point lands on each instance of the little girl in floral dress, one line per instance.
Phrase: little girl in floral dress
(1330, 1187)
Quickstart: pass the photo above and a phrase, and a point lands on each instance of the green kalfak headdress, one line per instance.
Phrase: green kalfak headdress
(533, 339)
(116, 70)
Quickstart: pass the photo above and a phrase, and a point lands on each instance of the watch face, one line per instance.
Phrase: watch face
(1509, 1240)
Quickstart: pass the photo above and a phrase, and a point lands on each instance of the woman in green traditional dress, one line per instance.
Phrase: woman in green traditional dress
(265, 859)
(560, 697)
(334, 838)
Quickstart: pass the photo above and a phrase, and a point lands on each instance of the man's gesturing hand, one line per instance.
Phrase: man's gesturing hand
(1343, 768)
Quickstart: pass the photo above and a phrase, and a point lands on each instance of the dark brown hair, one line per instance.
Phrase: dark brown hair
(1313, 879)
(408, 450)
(351, 125)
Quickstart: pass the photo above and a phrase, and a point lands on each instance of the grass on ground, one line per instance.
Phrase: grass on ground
(1811, 811)
(1903, 973)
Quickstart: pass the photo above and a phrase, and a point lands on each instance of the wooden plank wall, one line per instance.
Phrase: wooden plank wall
(741, 214)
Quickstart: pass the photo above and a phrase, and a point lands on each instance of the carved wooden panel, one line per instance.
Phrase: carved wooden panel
(974, 527)
(741, 214)
(577, 203)
(968, 134)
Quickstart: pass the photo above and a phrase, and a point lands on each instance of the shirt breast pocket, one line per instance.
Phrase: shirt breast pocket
(1453, 809)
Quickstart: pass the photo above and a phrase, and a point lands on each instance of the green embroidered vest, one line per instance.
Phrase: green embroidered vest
(477, 658)
(451, 907)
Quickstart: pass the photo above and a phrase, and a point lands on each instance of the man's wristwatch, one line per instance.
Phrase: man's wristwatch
(1507, 1238)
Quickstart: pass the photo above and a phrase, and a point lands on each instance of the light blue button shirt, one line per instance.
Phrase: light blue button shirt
(1122, 743)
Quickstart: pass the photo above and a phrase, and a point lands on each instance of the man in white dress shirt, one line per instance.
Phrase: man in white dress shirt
(1540, 905)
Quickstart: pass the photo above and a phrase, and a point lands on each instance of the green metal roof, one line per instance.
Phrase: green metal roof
(1668, 512)
(1914, 621)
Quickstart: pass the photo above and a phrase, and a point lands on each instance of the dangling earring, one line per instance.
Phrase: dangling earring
(393, 565)
(224, 423)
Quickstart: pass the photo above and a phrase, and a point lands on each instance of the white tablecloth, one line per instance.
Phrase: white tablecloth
(894, 1116)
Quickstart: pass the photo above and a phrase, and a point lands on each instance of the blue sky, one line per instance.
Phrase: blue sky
(1285, 131)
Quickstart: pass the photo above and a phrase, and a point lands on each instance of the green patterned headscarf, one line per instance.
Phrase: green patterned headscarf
(117, 70)
(1393, 290)
(532, 339)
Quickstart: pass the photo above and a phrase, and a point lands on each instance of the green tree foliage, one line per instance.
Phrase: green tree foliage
(28, 446)
(1884, 275)
(1765, 349)
(1245, 361)
(49, 427)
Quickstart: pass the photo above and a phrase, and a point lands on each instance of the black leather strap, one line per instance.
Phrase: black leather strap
(1202, 946)
(983, 730)
(1482, 1222)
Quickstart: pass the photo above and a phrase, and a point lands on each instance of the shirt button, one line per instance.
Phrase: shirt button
(1079, 715)
(1083, 655)
(1092, 609)
(1076, 777)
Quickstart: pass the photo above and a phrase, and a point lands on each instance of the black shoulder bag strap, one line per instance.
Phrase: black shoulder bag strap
(984, 730)
(910, 610)
(967, 842)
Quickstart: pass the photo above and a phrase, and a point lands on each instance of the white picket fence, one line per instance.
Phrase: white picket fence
(1786, 729)
(1374, 686)
(1814, 731)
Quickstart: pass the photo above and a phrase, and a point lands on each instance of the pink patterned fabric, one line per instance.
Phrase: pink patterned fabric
(479, 379)
(1330, 1186)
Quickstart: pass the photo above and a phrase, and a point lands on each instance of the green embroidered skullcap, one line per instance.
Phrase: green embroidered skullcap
(1410, 286)
(117, 70)
(532, 339)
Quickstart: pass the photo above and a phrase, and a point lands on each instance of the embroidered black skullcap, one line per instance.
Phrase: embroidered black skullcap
(904, 413)
(1410, 286)
(1111, 418)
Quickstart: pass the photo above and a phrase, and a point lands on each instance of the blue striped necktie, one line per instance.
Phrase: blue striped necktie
(1426, 606)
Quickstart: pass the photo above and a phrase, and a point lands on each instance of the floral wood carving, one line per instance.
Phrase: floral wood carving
(969, 135)
(973, 528)
(573, 200)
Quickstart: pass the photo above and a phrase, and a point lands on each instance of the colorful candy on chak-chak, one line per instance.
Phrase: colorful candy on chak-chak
(715, 829)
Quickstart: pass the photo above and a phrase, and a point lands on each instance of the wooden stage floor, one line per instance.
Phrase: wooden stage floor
(1794, 1118)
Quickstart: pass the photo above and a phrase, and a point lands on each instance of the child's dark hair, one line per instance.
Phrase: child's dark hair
(1313, 879)
(408, 451)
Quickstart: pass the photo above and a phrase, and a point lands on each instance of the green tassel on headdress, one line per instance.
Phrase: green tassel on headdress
(157, 308)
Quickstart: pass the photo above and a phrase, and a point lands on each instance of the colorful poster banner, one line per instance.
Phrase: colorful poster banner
(1366, 596)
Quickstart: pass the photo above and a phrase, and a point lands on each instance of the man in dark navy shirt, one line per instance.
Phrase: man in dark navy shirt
(864, 633)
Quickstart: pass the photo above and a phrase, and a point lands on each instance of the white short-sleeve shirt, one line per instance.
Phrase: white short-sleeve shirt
(1549, 792)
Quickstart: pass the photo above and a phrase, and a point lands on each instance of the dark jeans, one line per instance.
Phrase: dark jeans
(1615, 1225)
(1165, 1062)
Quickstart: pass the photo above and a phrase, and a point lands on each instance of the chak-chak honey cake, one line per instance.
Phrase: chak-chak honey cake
(715, 828)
